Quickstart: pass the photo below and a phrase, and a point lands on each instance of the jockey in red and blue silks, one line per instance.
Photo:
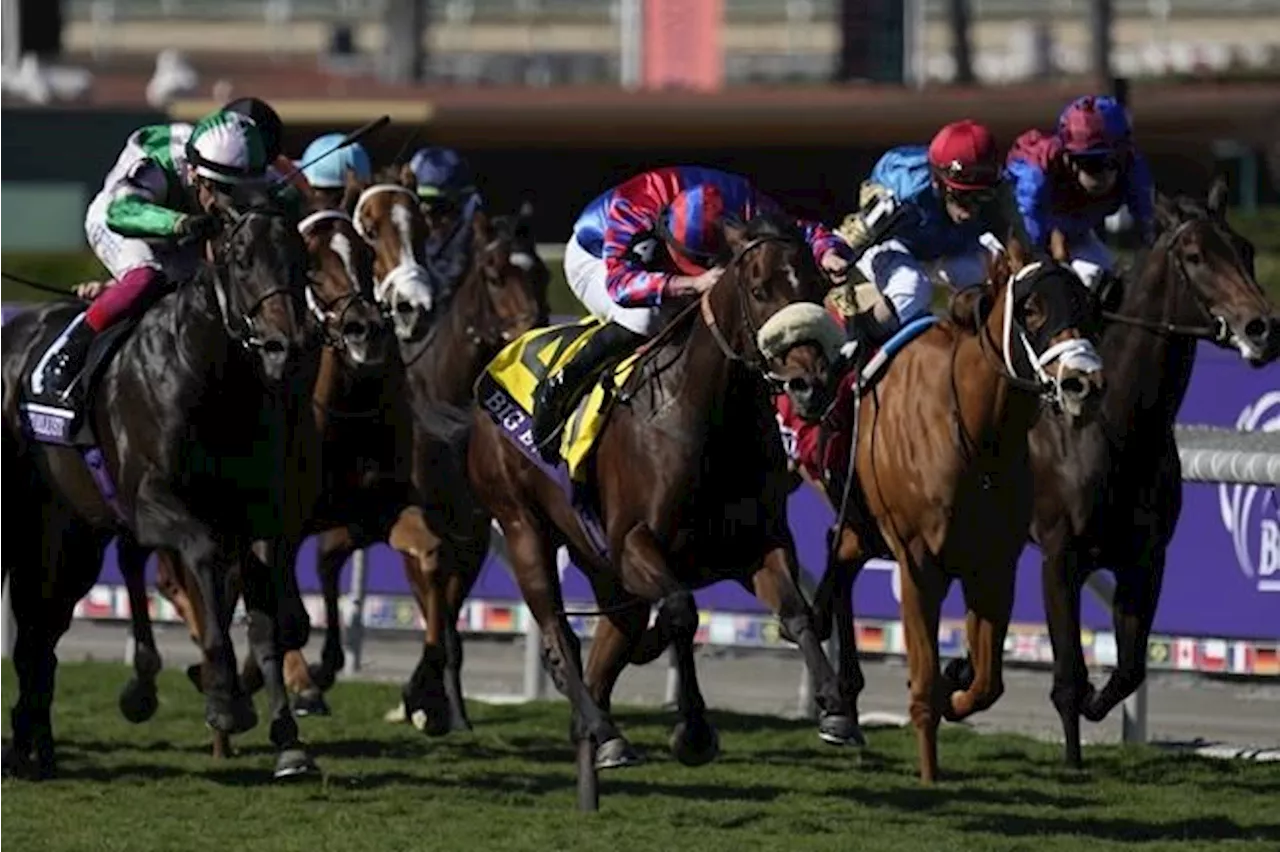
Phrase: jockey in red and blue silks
(640, 250)
(1072, 180)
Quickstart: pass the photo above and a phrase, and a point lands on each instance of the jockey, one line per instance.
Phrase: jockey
(639, 251)
(327, 169)
(925, 206)
(1074, 179)
(158, 197)
(450, 202)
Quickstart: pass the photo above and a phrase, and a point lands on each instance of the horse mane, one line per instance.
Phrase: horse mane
(765, 225)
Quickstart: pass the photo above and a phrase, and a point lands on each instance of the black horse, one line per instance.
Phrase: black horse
(189, 453)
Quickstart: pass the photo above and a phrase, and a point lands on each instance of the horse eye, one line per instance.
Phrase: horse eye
(758, 293)
(1194, 258)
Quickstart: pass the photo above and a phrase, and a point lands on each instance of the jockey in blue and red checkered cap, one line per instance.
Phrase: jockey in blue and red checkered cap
(1073, 179)
(641, 250)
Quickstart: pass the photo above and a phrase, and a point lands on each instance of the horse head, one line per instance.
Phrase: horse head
(1215, 265)
(507, 286)
(340, 292)
(386, 214)
(259, 269)
(1041, 320)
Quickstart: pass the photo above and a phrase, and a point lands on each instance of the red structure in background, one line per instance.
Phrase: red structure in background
(682, 45)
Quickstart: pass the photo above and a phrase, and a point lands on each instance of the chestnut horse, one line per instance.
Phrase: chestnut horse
(943, 476)
(688, 472)
(1110, 496)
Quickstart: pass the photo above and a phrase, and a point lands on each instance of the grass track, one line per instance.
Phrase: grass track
(509, 786)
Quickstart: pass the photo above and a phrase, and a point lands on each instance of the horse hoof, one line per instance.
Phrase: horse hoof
(294, 764)
(460, 724)
(396, 715)
(310, 703)
(959, 671)
(138, 701)
(616, 754)
(432, 724)
(21, 765)
(323, 675)
(835, 729)
(694, 744)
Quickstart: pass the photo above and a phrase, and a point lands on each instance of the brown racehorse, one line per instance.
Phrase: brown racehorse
(501, 294)
(943, 477)
(1111, 495)
(688, 473)
(362, 420)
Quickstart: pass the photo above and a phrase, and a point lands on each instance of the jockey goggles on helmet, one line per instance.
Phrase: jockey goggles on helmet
(1095, 163)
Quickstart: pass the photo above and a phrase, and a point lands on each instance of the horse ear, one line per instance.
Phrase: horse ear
(998, 268)
(1058, 246)
(1166, 212)
(1016, 257)
(351, 189)
(735, 234)
(1217, 203)
(408, 179)
(481, 228)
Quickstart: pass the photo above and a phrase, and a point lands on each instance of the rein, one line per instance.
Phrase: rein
(336, 309)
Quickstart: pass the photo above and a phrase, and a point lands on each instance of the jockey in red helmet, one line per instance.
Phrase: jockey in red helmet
(1070, 181)
(923, 211)
(638, 253)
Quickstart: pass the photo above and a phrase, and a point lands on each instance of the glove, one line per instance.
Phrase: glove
(197, 227)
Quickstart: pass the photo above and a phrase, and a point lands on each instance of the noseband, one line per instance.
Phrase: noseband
(409, 268)
(242, 328)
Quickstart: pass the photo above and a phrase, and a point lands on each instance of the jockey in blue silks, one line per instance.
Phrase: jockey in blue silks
(1070, 181)
(925, 211)
(640, 250)
(450, 201)
(327, 176)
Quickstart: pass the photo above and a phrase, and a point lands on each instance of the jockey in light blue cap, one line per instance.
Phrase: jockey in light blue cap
(328, 175)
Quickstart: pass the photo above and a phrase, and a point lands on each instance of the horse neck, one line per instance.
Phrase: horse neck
(1147, 371)
(702, 375)
(999, 408)
(451, 379)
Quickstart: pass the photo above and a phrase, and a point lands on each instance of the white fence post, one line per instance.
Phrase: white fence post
(672, 695)
(535, 679)
(8, 629)
(354, 633)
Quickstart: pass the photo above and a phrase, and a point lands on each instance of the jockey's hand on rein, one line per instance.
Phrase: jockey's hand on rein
(197, 227)
(836, 267)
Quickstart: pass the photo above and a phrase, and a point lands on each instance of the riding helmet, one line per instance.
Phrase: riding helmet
(963, 156)
(330, 170)
(268, 121)
(1094, 125)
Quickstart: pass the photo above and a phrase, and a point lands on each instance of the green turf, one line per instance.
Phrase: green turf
(509, 786)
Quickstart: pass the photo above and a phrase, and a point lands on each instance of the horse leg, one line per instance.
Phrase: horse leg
(1062, 578)
(425, 703)
(923, 588)
(694, 741)
(989, 602)
(138, 699)
(457, 587)
(615, 636)
(262, 601)
(774, 584)
(1136, 596)
(849, 675)
(334, 547)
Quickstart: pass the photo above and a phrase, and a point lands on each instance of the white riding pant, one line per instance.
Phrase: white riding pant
(119, 253)
(1090, 258)
(588, 279)
(905, 280)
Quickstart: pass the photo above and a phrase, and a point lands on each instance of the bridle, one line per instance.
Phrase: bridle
(499, 332)
(409, 269)
(1217, 331)
(333, 313)
(242, 328)
(1076, 353)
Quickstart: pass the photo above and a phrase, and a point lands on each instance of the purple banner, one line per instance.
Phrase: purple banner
(1222, 577)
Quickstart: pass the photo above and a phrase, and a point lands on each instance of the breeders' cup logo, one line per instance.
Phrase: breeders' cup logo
(1251, 513)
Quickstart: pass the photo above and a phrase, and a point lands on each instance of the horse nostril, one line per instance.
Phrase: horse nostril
(275, 347)
(354, 330)
(404, 307)
(1257, 329)
(1073, 386)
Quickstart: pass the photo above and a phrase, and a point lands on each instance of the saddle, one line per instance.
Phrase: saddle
(58, 420)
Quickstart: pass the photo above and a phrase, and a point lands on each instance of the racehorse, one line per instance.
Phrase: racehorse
(1110, 495)
(690, 481)
(187, 451)
(939, 474)
(443, 345)
(359, 412)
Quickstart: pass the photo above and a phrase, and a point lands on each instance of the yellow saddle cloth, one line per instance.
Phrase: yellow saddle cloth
(506, 389)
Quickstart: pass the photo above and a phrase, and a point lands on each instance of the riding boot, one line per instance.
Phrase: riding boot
(65, 360)
(556, 393)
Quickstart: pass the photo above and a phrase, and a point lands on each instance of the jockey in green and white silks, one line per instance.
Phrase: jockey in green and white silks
(148, 222)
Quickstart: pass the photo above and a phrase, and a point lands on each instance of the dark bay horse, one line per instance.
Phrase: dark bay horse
(362, 419)
(1110, 496)
(942, 476)
(445, 340)
(690, 477)
(190, 418)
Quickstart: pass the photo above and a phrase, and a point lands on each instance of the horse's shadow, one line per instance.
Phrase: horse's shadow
(1203, 828)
